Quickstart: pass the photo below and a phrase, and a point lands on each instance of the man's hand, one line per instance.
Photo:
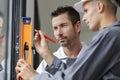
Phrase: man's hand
(24, 70)
(42, 47)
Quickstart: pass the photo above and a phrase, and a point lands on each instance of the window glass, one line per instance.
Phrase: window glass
(3, 38)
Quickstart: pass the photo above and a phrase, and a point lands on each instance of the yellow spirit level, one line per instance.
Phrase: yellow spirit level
(26, 40)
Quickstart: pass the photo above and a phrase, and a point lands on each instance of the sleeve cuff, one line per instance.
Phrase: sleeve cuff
(57, 65)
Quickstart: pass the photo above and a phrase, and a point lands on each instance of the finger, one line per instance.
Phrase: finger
(18, 69)
(19, 77)
(37, 33)
(42, 35)
(19, 63)
(22, 62)
(37, 36)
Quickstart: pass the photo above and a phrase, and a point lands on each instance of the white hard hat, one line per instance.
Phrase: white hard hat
(79, 5)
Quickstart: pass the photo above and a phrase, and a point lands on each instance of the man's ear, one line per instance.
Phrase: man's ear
(100, 6)
(78, 26)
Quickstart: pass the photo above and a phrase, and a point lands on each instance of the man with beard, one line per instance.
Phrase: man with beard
(66, 27)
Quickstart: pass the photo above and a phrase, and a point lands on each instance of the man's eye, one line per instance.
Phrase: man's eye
(85, 10)
(63, 25)
(55, 28)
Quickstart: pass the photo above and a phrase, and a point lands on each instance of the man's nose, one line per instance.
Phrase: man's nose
(59, 32)
(84, 18)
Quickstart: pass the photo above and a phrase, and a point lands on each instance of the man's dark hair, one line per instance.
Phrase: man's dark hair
(72, 13)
